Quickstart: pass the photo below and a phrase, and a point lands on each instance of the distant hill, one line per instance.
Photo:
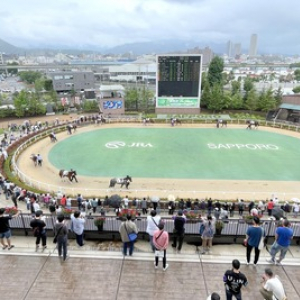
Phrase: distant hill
(163, 46)
(9, 49)
(154, 47)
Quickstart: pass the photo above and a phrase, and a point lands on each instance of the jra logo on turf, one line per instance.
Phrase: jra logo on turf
(243, 146)
(119, 144)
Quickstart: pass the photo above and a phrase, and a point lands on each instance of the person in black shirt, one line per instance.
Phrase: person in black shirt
(234, 280)
(5, 228)
(178, 232)
(39, 230)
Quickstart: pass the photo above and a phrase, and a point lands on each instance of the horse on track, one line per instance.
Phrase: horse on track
(252, 123)
(175, 121)
(222, 123)
(69, 174)
(33, 157)
(52, 137)
(122, 181)
(148, 121)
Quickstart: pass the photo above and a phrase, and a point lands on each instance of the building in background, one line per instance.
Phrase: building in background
(229, 49)
(253, 45)
(68, 81)
(237, 51)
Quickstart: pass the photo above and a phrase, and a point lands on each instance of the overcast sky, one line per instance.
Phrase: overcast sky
(76, 23)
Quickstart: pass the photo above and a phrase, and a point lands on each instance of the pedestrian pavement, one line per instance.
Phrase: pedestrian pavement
(100, 271)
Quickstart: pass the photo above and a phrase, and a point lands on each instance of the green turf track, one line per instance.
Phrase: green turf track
(180, 153)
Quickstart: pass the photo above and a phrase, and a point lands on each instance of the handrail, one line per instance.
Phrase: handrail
(232, 227)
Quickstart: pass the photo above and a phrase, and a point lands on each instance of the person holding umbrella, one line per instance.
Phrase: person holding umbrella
(155, 200)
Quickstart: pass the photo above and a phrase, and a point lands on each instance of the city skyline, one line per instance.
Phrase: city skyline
(100, 24)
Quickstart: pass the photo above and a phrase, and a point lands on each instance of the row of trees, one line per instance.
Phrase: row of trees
(216, 98)
(139, 99)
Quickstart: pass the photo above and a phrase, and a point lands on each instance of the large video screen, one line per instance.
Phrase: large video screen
(178, 80)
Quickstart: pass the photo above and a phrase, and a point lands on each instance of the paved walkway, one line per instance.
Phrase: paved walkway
(93, 274)
(99, 271)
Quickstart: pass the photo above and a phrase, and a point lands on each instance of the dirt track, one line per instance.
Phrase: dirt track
(98, 186)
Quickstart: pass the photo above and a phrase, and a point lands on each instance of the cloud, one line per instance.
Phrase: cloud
(114, 22)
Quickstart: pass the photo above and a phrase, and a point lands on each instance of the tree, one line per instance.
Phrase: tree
(89, 106)
(235, 87)
(251, 100)
(248, 84)
(297, 74)
(216, 100)
(21, 103)
(205, 95)
(30, 76)
(131, 98)
(237, 101)
(48, 84)
(296, 89)
(278, 96)
(35, 107)
(73, 95)
(215, 71)
(145, 96)
(266, 100)
(13, 71)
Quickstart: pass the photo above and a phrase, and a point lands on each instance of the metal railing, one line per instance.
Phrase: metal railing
(232, 227)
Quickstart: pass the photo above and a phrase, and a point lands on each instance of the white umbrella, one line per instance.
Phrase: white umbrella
(171, 198)
(295, 200)
(155, 199)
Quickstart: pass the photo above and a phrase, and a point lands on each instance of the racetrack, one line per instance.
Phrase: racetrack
(181, 153)
(186, 161)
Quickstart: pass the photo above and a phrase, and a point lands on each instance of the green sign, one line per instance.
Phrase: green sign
(177, 102)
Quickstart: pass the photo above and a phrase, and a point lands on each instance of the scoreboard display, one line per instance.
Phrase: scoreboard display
(178, 80)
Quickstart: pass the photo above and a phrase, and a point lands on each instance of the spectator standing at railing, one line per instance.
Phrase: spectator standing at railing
(77, 226)
(178, 231)
(62, 237)
(261, 207)
(34, 206)
(63, 200)
(241, 207)
(296, 209)
(152, 225)
(253, 237)
(94, 203)
(283, 237)
(79, 201)
(188, 204)
(39, 228)
(5, 231)
(144, 206)
(270, 206)
(125, 229)
(161, 242)
(209, 206)
(69, 202)
(231, 209)
(126, 202)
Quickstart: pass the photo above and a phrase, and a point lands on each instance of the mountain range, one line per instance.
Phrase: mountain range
(155, 47)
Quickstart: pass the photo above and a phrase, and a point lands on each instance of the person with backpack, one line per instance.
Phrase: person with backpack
(207, 230)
